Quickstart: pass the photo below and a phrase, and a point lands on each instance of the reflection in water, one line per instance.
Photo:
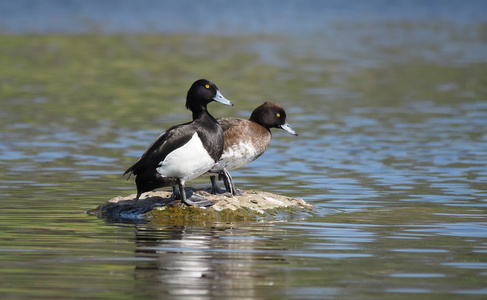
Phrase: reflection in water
(194, 262)
(239, 261)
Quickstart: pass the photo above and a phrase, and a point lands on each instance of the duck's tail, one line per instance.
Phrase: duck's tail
(129, 171)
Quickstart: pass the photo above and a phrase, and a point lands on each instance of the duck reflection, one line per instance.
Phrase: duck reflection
(205, 261)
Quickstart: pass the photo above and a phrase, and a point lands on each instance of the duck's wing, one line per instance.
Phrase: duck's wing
(164, 144)
(233, 129)
(227, 123)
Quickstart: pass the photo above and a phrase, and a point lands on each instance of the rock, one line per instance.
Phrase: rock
(158, 207)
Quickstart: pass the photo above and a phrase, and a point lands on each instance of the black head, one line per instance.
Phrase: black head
(271, 115)
(201, 93)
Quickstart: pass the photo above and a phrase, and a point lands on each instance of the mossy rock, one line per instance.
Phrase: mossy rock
(158, 208)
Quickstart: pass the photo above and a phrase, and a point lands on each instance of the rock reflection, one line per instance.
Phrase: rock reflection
(189, 262)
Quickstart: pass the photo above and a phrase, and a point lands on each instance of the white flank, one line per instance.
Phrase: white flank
(237, 156)
(187, 162)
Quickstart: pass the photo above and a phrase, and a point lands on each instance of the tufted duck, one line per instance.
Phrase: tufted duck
(184, 151)
(246, 140)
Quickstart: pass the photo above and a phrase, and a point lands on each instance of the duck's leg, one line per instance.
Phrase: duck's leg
(194, 199)
(214, 187)
(138, 196)
(176, 195)
(228, 181)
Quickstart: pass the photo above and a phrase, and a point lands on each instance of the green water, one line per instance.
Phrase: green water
(391, 149)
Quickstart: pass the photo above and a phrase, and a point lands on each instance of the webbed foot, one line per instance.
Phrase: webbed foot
(238, 192)
(193, 198)
(198, 200)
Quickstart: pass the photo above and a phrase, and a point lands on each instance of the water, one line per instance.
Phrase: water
(389, 101)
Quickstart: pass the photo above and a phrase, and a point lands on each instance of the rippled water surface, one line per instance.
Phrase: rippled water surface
(390, 103)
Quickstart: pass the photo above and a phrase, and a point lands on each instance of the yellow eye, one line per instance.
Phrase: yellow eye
(207, 86)
(278, 115)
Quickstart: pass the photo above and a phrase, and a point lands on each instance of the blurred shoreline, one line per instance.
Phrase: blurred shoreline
(217, 17)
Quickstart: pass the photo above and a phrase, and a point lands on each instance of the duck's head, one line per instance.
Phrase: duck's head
(271, 115)
(201, 93)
